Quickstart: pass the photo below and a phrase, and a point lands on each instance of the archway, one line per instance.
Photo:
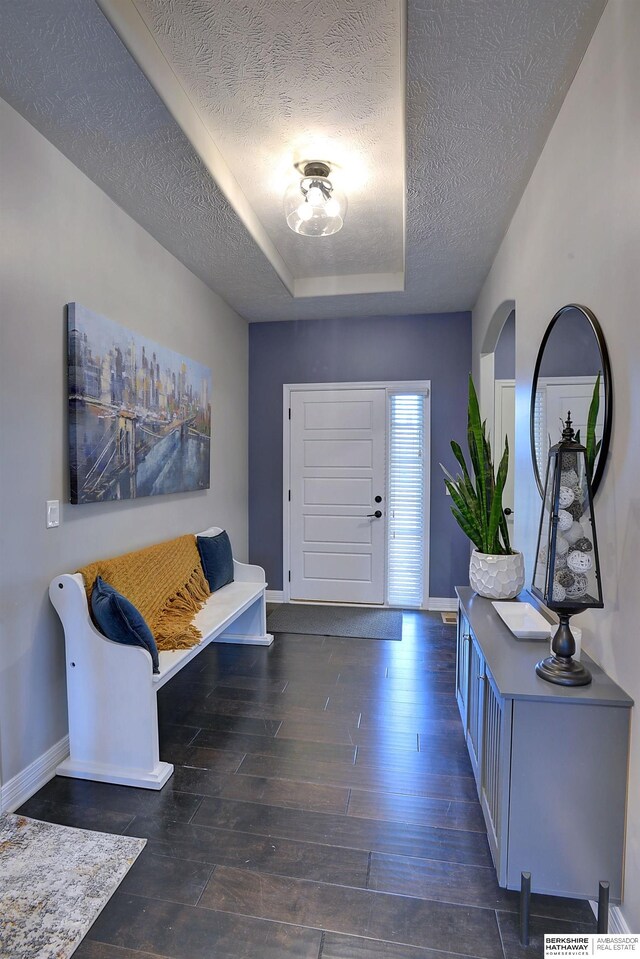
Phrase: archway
(497, 390)
(487, 359)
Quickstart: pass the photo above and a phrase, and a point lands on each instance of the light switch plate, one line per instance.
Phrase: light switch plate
(53, 513)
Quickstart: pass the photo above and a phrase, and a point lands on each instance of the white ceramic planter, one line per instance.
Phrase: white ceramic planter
(496, 577)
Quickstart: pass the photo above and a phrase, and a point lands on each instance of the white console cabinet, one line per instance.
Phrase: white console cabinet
(550, 761)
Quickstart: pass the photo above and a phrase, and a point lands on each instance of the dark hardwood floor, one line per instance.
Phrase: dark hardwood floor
(322, 807)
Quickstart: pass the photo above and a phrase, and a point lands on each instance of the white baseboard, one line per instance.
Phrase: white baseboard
(30, 780)
(442, 604)
(617, 922)
(274, 595)
(439, 604)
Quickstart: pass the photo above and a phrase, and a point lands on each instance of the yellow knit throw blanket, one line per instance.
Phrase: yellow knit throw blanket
(165, 582)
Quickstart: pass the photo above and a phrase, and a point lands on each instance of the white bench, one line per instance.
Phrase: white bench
(111, 689)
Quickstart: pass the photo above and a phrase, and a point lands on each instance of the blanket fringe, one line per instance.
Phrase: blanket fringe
(173, 628)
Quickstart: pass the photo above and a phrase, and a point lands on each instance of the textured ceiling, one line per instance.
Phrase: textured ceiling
(484, 83)
(275, 89)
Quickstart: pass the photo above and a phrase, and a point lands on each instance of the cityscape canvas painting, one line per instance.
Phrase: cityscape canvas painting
(139, 414)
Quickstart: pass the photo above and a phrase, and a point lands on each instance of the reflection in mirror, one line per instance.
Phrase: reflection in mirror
(504, 407)
(572, 354)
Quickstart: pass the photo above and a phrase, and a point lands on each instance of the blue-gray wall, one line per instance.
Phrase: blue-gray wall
(572, 348)
(435, 347)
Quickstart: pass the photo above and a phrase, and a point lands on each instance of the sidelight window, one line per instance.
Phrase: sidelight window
(406, 500)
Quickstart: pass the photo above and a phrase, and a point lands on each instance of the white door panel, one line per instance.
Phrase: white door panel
(337, 529)
(337, 467)
(330, 415)
(345, 453)
(339, 492)
(336, 567)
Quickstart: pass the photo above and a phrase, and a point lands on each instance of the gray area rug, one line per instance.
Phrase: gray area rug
(54, 881)
(354, 622)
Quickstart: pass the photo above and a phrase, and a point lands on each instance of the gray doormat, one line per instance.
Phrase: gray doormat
(54, 880)
(355, 622)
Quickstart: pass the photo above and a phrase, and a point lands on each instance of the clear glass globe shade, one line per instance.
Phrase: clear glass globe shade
(314, 207)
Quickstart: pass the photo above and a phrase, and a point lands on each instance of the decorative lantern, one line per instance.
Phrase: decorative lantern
(567, 571)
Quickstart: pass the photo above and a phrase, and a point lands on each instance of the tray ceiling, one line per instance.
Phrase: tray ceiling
(484, 82)
(276, 83)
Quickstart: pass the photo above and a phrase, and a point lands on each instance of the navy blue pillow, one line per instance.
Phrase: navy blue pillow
(217, 559)
(120, 621)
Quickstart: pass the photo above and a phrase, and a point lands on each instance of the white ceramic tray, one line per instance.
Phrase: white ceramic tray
(524, 621)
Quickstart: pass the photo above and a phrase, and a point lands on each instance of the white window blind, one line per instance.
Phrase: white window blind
(405, 560)
(540, 437)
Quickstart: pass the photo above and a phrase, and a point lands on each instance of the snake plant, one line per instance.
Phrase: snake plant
(592, 445)
(477, 501)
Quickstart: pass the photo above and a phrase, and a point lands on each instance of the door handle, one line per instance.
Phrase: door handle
(508, 511)
(377, 514)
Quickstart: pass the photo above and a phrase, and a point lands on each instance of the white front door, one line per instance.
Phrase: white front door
(337, 474)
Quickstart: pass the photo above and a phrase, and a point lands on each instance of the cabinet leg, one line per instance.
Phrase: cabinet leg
(525, 907)
(603, 907)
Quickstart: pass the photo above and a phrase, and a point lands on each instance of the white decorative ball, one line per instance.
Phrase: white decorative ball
(561, 561)
(562, 547)
(573, 534)
(569, 478)
(559, 593)
(579, 562)
(578, 493)
(567, 496)
(578, 588)
(565, 520)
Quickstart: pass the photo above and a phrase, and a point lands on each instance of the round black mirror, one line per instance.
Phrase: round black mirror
(572, 373)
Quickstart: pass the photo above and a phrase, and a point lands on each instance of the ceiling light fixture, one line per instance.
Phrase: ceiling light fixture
(313, 206)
